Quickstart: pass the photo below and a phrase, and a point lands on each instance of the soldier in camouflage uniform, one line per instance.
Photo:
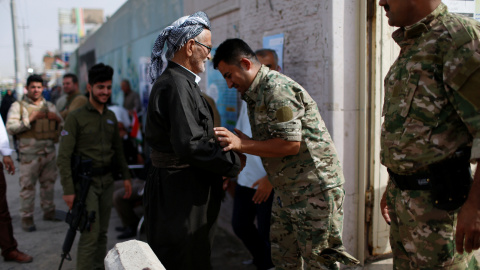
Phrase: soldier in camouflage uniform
(298, 155)
(35, 122)
(430, 133)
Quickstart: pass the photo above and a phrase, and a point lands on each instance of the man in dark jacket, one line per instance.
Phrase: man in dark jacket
(7, 101)
(184, 187)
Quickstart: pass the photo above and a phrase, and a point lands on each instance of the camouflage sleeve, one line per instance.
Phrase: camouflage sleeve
(462, 81)
(65, 151)
(53, 108)
(77, 102)
(284, 112)
(15, 123)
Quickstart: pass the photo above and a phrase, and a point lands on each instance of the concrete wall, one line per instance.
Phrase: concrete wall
(128, 36)
(321, 52)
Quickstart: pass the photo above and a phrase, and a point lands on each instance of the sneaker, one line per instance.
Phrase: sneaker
(28, 225)
(18, 256)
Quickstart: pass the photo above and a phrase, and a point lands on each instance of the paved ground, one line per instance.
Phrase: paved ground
(45, 244)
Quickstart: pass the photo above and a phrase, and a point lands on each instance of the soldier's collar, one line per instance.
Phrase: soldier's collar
(90, 107)
(29, 100)
(417, 29)
(252, 90)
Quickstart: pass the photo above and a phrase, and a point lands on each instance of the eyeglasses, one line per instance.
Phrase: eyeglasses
(208, 47)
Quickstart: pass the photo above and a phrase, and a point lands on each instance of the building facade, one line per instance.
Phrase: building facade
(339, 51)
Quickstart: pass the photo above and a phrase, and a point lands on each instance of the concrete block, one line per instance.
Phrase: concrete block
(132, 255)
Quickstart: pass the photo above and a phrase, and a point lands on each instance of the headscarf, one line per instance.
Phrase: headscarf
(175, 35)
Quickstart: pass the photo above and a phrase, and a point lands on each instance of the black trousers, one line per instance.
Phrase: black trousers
(181, 208)
(7, 242)
(256, 240)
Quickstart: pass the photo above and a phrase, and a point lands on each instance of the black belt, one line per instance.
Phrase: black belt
(411, 182)
(101, 171)
(422, 181)
(167, 160)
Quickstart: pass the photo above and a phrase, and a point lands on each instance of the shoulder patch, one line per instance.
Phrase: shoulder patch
(284, 114)
(458, 31)
(64, 133)
(109, 121)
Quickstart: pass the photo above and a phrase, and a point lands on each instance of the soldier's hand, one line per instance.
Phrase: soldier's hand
(384, 208)
(263, 191)
(69, 200)
(127, 184)
(243, 160)
(241, 135)
(228, 140)
(8, 162)
(467, 235)
(36, 115)
(53, 116)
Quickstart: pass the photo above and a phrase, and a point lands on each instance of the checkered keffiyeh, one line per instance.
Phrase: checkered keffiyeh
(175, 35)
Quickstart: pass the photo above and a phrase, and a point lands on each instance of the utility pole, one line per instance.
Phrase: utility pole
(15, 50)
(26, 46)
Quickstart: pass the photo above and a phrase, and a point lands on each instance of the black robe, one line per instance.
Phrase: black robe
(184, 187)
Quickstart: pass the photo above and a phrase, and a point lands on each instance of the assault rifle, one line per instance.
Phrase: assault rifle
(78, 217)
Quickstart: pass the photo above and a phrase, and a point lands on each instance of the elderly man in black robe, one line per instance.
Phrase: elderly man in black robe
(184, 186)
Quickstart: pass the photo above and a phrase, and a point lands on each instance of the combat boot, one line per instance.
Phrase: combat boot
(28, 225)
(50, 216)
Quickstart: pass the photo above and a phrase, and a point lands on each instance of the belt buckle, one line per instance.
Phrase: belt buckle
(423, 182)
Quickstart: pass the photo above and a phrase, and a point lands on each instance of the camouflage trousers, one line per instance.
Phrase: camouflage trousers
(422, 236)
(309, 233)
(43, 169)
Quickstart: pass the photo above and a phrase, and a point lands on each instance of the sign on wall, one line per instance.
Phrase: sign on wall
(468, 8)
(144, 85)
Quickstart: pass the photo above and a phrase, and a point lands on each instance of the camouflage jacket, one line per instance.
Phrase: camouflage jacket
(432, 96)
(18, 123)
(278, 107)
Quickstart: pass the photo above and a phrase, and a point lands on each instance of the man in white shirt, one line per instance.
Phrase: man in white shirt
(8, 244)
(253, 198)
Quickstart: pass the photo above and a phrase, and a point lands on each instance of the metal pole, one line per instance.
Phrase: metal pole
(26, 46)
(15, 49)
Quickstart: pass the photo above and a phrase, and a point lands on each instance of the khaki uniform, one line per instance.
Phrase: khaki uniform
(37, 153)
(431, 110)
(92, 136)
(307, 214)
(74, 102)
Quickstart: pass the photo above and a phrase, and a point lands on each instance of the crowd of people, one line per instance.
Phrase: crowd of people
(280, 156)
(88, 129)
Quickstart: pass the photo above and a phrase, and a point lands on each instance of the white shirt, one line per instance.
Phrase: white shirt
(122, 115)
(197, 78)
(4, 144)
(254, 168)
